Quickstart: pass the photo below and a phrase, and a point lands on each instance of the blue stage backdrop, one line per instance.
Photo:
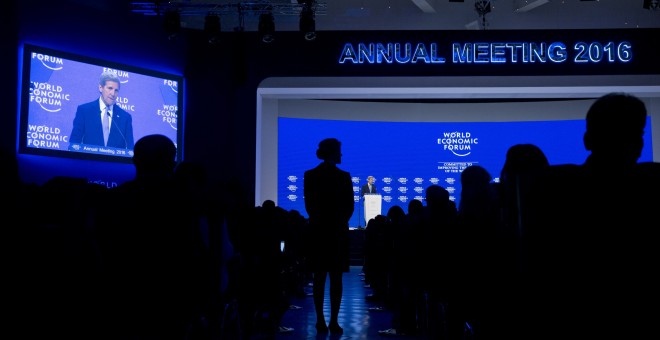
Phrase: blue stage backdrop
(407, 157)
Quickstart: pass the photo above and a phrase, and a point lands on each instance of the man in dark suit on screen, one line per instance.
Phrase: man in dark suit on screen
(101, 122)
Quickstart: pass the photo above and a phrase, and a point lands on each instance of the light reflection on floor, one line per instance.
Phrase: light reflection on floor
(354, 316)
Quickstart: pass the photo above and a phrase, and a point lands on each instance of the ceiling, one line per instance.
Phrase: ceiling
(366, 15)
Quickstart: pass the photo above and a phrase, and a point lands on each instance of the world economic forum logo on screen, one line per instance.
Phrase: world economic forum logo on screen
(49, 62)
(50, 97)
(460, 143)
(169, 114)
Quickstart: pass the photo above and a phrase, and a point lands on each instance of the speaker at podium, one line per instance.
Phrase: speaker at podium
(372, 206)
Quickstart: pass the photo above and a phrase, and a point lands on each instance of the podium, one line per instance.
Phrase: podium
(372, 206)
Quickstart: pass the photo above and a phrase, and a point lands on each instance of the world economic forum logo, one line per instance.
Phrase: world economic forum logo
(172, 84)
(49, 62)
(169, 114)
(460, 143)
(122, 75)
(49, 97)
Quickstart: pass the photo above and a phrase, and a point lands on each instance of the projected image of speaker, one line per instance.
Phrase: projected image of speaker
(66, 99)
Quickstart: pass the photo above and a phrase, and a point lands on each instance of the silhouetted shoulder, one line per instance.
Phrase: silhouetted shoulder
(649, 168)
(560, 172)
(647, 175)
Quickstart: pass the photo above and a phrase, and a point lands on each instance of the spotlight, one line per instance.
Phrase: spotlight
(241, 20)
(172, 23)
(653, 5)
(212, 28)
(307, 21)
(482, 7)
(267, 27)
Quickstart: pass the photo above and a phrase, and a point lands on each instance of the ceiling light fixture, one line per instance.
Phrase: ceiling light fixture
(653, 5)
(526, 6)
(482, 7)
(267, 27)
(307, 20)
(212, 28)
(172, 23)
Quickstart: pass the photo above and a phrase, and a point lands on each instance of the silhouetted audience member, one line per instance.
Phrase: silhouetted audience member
(411, 265)
(204, 203)
(10, 174)
(523, 165)
(295, 255)
(263, 298)
(377, 249)
(481, 249)
(59, 275)
(36, 265)
(415, 206)
(329, 203)
(591, 243)
(15, 193)
(438, 244)
(152, 252)
(396, 219)
(404, 291)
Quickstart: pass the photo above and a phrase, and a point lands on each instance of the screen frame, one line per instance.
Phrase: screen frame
(273, 92)
(24, 110)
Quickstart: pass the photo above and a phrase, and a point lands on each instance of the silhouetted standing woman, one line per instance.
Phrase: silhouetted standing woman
(329, 203)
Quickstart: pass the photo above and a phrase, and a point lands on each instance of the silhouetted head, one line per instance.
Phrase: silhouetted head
(329, 150)
(475, 175)
(154, 154)
(436, 196)
(523, 159)
(615, 128)
(476, 188)
(395, 213)
(268, 204)
(415, 206)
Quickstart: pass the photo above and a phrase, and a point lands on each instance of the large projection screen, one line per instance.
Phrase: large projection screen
(548, 111)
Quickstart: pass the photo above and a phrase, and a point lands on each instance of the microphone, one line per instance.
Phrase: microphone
(120, 133)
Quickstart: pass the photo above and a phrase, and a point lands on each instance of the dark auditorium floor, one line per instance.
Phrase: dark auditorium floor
(356, 319)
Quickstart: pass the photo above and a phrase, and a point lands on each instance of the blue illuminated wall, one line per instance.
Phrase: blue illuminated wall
(407, 157)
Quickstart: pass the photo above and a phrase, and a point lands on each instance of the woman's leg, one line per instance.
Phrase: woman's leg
(336, 291)
(319, 292)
